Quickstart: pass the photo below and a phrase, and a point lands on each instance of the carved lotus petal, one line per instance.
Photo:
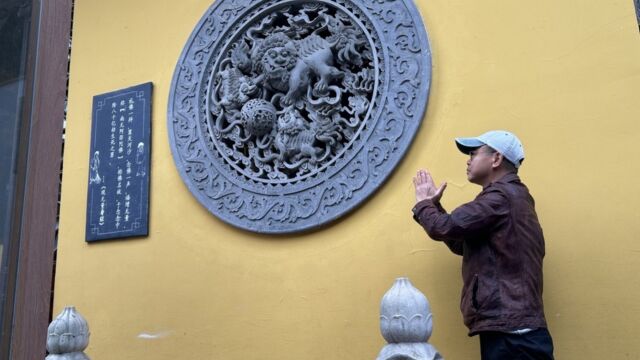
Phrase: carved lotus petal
(68, 332)
(405, 314)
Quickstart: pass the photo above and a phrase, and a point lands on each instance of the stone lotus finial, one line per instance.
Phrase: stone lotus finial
(405, 322)
(68, 336)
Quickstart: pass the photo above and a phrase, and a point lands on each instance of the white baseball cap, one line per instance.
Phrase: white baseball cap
(502, 141)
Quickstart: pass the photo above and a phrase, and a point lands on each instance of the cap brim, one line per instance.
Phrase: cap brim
(466, 145)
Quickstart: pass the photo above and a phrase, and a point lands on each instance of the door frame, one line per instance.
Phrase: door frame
(39, 172)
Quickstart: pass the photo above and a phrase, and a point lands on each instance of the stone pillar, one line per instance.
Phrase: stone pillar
(405, 322)
(68, 336)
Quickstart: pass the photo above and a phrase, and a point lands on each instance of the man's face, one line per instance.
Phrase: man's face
(481, 161)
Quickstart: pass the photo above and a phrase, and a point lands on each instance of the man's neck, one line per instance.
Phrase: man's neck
(494, 176)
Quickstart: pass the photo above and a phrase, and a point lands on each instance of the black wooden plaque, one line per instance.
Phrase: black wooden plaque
(118, 195)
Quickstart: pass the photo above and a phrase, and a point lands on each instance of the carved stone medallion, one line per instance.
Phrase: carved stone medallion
(285, 115)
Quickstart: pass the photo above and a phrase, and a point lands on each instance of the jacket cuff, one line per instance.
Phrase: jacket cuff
(421, 205)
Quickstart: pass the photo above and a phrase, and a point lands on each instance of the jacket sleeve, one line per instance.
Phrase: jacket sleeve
(464, 222)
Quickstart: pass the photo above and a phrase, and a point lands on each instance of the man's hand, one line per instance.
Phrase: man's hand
(426, 188)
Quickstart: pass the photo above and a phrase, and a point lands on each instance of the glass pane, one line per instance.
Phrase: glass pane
(15, 22)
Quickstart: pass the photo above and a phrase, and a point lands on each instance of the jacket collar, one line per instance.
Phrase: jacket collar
(508, 178)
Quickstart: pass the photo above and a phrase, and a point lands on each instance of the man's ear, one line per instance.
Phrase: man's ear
(497, 160)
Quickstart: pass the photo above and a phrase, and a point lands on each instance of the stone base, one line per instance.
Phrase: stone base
(409, 351)
(79, 355)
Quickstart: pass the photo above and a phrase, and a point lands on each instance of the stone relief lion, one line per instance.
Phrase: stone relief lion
(307, 66)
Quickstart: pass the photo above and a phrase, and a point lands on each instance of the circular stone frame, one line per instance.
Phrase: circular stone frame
(403, 76)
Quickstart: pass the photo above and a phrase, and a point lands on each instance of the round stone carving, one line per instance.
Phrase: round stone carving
(285, 115)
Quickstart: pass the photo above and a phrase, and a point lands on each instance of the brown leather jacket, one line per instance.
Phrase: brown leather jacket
(502, 246)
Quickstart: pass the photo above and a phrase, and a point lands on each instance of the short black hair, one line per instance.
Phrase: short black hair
(506, 163)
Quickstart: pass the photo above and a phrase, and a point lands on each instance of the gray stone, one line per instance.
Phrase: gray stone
(285, 115)
(68, 336)
(412, 351)
(406, 324)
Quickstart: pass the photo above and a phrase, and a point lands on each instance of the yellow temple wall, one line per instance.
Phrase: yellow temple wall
(563, 75)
